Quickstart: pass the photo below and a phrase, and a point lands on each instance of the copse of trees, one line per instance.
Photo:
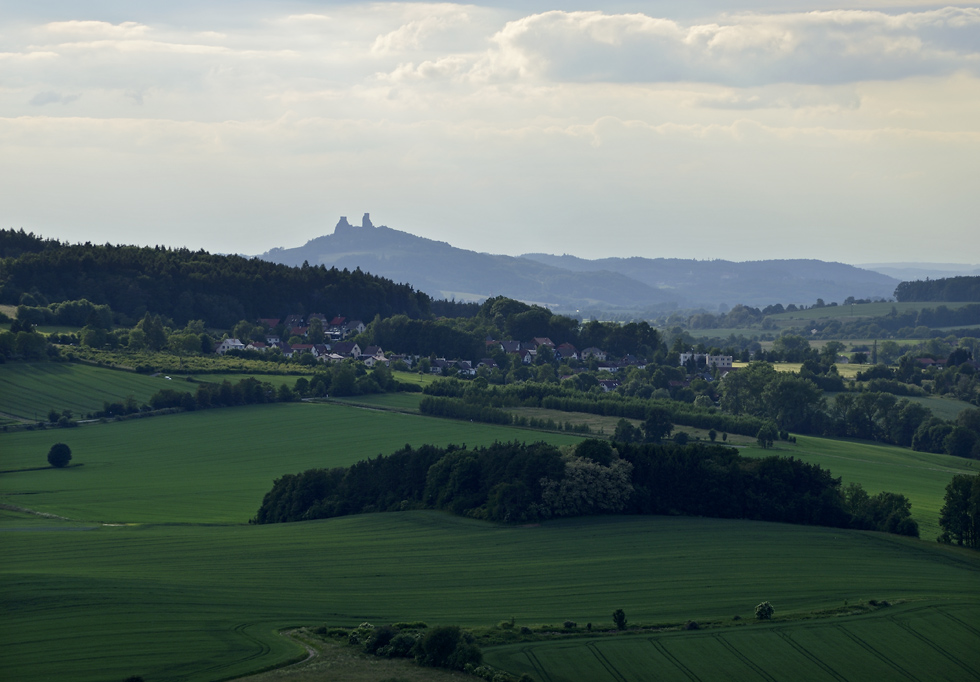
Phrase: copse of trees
(959, 518)
(518, 483)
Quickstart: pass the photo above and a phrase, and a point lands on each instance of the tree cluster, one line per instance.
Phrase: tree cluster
(959, 518)
(517, 483)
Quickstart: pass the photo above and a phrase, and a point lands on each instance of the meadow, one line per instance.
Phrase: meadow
(31, 390)
(179, 587)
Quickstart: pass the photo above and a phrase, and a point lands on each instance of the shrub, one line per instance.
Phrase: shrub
(764, 611)
(570, 624)
(691, 625)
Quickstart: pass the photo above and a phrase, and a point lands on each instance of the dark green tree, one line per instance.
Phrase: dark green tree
(764, 611)
(619, 618)
(59, 455)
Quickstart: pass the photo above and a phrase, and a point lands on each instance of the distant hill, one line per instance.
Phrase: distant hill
(755, 283)
(908, 272)
(568, 283)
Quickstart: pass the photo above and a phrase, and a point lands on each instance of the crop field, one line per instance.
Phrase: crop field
(403, 402)
(201, 602)
(845, 312)
(31, 390)
(911, 642)
(212, 466)
(183, 589)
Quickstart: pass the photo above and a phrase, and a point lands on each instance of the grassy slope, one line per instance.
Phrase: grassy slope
(29, 389)
(202, 602)
(199, 601)
(212, 466)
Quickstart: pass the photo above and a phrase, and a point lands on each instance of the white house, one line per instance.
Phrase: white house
(227, 345)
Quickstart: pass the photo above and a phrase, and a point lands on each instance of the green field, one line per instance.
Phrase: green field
(905, 642)
(31, 390)
(189, 592)
(846, 312)
(212, 466)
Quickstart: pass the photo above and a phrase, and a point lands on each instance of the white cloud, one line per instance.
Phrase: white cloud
(749, 49)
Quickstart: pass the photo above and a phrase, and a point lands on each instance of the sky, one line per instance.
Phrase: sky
(845, 131)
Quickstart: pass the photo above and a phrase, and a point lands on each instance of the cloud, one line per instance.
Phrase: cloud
(751, 49)
(42, 98)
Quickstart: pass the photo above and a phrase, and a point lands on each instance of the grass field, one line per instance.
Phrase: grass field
(905, 642)
(30, 390)
(189, 592)
(846, 312)
(204, 602)
(212, 466)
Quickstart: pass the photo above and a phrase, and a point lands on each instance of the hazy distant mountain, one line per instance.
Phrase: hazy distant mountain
(755, 283)
(909, 272)
(444, 271)
(569, 283)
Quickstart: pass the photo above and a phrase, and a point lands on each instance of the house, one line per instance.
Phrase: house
(608, 367)
(302, 347)
(298, 331)
(227, 345)
(272, 339)
(338, 322)
(374, 350)
(348, 348)
(321, 349)
(489, 363)
(257, 345)
(527, 356)
(354, 327)
(510, 346)
(593, 352)
(293, 321)
(284, 347)
(269, 322)
(542, 341)
(709, 361)
(372, 360)
(466, 367)
(608, 385)
(407, 359)
(332, 357)
(317, 316)
(566, 351)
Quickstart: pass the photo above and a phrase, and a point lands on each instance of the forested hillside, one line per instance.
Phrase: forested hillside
(946, 289)
(190, 285)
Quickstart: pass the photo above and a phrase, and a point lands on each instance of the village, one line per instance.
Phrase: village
(328, 341)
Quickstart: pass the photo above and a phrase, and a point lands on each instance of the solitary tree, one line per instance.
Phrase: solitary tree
(764, 611)
(59, 455)
(619, 618)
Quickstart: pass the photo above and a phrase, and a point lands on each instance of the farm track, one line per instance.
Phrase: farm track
(930, 643)
(803, 651)
(606, 663)
(687, 672)
(742, 657)
(877, 654)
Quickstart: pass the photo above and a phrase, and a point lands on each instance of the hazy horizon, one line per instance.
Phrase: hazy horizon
(846, 132)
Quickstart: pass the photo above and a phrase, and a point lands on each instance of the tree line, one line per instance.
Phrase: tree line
(519, 483)
(944, 289)
(185, 285)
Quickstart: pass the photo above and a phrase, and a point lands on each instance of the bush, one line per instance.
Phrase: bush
(570, 624)
(764, 611)
(59, 455)
(447, 646)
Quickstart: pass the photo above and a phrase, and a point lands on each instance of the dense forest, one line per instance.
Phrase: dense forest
(945, 289)
(185, 285)
(519, 483)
